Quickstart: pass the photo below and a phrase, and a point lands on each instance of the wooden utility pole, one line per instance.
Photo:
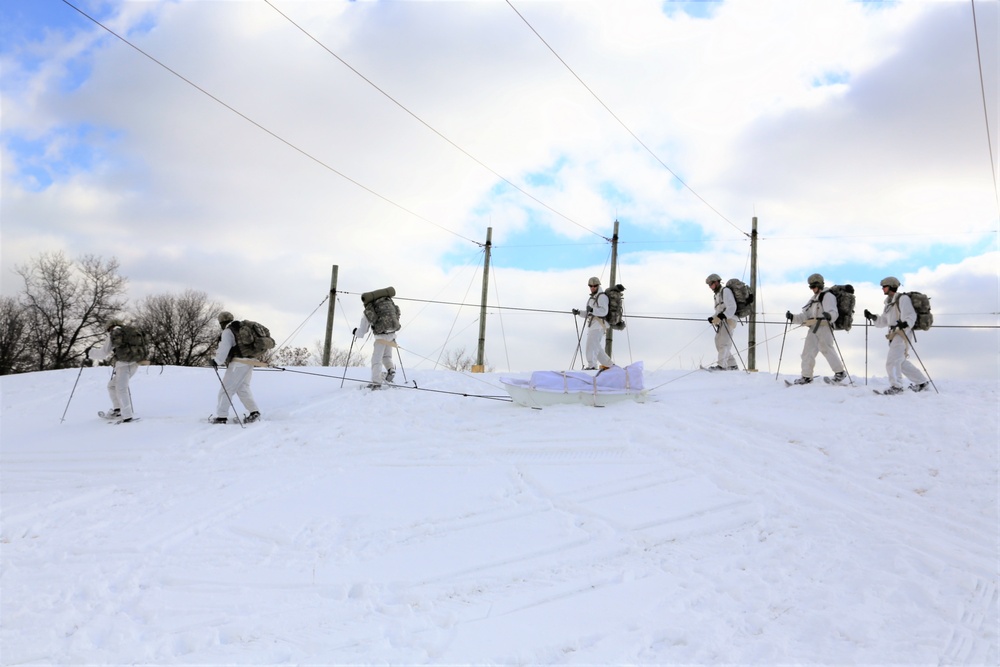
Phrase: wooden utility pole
(609, 335)
(480, 355)
(752, 334)
(329, 316)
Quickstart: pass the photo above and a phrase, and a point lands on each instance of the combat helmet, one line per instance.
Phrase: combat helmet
(891, 282)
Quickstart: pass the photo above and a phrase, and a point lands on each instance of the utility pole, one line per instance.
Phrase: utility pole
(752, 334)
(480, 362)
(329, 316)
(609, 335)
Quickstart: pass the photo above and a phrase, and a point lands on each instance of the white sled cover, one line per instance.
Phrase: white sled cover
(553, 387)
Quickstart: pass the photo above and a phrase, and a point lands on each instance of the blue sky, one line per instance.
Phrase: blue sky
(802, 114)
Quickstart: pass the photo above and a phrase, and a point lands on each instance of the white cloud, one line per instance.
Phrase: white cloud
(884, 165)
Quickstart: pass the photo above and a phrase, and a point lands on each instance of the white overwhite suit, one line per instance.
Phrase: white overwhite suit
(236, 381)
(594, 313)
(899, 310)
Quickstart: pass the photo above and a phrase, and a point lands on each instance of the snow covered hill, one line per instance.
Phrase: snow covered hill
(727, 519)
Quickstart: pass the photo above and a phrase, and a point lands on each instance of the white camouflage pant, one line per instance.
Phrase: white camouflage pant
(595, 345)
(236, 383)
(382, 356)
(820, 341)
(118, 391)
(724, 345)
(897, 364)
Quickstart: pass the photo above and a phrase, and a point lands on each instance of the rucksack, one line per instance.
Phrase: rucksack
(381, 311)
(743, 296)
(253, 338)
(616, 309)
(845, 306)
(128, 343)
(922, 306)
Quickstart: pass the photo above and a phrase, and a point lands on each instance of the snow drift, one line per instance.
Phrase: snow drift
(726, 519)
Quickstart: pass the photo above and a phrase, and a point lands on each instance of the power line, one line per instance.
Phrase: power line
(620, 122)
(428, 126)
(986, 114)
(264, 129)
(636, 316)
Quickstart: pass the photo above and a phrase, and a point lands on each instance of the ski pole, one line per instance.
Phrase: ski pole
(738, 355)
(398, 356)
(579, 337)
(235, 411)
(782, 353)
(63, 418)
(931, 380)
(837, 345)
(867, 324)
(348, 362)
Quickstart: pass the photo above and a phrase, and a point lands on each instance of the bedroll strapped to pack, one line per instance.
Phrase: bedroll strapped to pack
(616, 308)
(368, 297)
(743, 297)
(845, 306)
(381, 311)
(128, 343)
(253, 338)
(922, 305)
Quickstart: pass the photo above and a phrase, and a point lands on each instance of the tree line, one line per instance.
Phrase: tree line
(64, 305)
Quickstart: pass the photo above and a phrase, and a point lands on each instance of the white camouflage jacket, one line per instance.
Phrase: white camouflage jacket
(725, 302)
(599, 304)
(815, 308)
(898, 308)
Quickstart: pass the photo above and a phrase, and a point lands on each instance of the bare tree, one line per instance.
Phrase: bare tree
(67, 304)
(181, 330)
(338, 356)
(293, 356)
(14, 341)
(458, 360)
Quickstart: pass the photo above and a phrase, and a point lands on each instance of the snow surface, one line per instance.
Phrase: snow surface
(728, 519)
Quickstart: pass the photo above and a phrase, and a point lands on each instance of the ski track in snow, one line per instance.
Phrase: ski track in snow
(728, 519)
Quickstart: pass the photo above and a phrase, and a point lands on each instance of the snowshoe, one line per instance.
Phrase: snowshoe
(838, 378)
(252, 417)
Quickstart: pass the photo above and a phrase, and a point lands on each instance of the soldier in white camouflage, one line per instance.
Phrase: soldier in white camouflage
(898, 315)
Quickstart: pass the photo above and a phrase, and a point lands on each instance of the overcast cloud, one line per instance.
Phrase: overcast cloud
(854, 132)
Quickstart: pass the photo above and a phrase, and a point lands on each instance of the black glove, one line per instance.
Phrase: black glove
(826, 316)
(590, 309)
(576, 311)
(87, 361)
(902, 325)
(869, 316)
(355, 332)
(711, 318)
(214, 364)
(788, 315)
